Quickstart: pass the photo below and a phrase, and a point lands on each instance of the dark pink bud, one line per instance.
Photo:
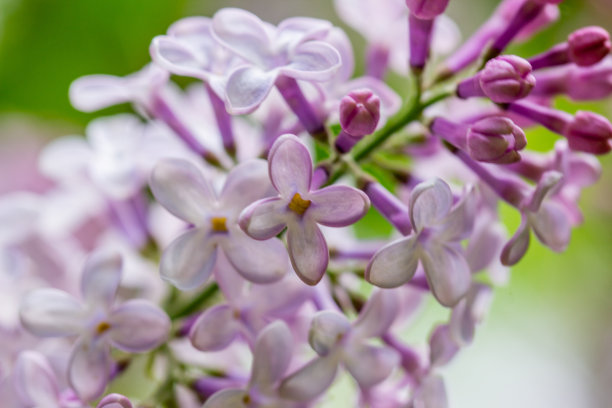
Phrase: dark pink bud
(427, 9)
(359, 113)
(589, 45)
(495, 140)
(506, 79)
(589, 132)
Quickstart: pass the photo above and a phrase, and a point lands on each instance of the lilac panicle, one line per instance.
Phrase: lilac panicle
(439, 228)
(300, 209)
(134, 326)
(189, 260)
(504, 79)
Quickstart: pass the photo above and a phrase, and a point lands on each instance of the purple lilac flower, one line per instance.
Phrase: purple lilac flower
(300, 209)
(134, 326)
(189, 260)
(439, 228)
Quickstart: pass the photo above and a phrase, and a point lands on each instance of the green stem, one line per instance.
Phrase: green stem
(196, 303)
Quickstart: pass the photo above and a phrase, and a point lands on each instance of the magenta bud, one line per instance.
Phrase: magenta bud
(495, 140)
(359, 113)
(114, 401)
(589, 45)
(506, 79)
(427, 9)
(589, 132)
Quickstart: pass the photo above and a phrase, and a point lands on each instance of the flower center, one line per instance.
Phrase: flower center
(102, 327)
(218, 224)
(298, 205)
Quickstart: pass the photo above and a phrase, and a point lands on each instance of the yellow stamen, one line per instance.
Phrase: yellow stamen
(102, 327)
(218, 224)
(298, 205)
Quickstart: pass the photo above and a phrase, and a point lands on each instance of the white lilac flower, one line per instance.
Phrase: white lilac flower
(439, 228)
(300, 209)
(189, 260)
(134, 326)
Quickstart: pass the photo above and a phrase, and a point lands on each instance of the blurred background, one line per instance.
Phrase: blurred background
(547, 341)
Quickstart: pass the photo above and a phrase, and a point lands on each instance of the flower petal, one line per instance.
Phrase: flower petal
(310, 381)
(115, 401)
(101, 277)
(247, 87)
(245, 184)
(51, 312)
(430, 201)
(370, 365)
(313, 61)
(548, 182)
(93, 92)
(228, 398)
(188, 261)
(257, 261)
(180, 187)
(290, 166)
(66, 158)
(469, 312)
(35, 381)
(431, 393)
(89, 369)
(177, 57)
(515, 249)
(215, 329)
(448, 273)
(265, 218)
(377, 315)
(326, 329)
(138, 325)
(394, 264)
(272, 355)
(459, 222)
(307, 251)
(338, 206)
(551, 226)
(442, 346)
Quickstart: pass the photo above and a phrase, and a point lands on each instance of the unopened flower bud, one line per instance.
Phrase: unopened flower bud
(589, 132)
(495, 140)
(359, 116)
(506, 79)
(427, 9)
(115, 401)
(589, 45)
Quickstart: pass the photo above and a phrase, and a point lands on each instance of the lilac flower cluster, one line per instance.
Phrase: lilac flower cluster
(238, 189)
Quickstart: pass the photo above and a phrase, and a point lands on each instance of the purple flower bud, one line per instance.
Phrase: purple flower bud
(506, 79)
(589, 132)
(495, 140)
(589, 45)
(591, 83)
(115, 401)
(427, 9)
(359, 112)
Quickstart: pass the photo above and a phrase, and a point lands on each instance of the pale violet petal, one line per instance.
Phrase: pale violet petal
(89, 369)
(265, 218)
(188, 261)
(394, 264)
(304, 28)
(431, 393)
(551, 225)
(115, 401)
(138, 325)
(307, 251)
(257, 261)
(377, 315)
(101, 277)
(65, 159)
(313, 61)
(338, 206)
(430, 201)
(272, 355)
(469, 312)
(228, 398)
(35, 381)
(245, 184)
(442, 346)
(93, 92)
(548, 182)
(51, 312)
(516, 248)
(326, 329)
(247, 87)
(181, 188)
(290, 166)
(310, 381)
(448, 272)
(215, 329)
(177, 57)
(370, 365)
(459, 222)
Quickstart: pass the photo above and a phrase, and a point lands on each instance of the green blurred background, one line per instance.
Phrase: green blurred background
(548, 339)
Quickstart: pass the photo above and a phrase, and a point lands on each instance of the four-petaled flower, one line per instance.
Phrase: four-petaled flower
(300, 209)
